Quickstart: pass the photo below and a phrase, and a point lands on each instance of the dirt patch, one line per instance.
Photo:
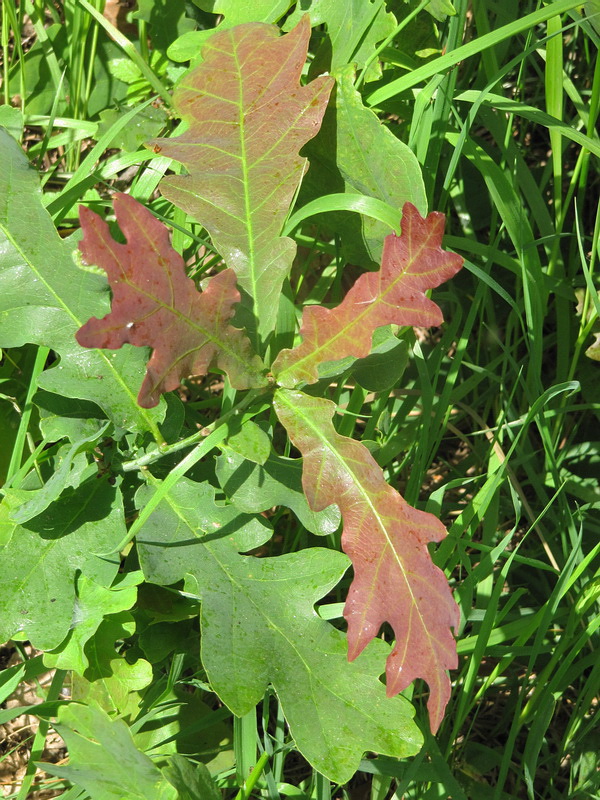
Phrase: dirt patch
(16, 736)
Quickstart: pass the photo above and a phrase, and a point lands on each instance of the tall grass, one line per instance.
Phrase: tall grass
(497, 418)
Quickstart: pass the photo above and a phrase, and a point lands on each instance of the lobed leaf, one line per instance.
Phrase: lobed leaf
(247, 119)
(411, 263)
(395, 579)
(278, 482)
(94, 602)
(155, 303)
(45, 554)
(259, 627)
(104, 760)
(112, 681)
(44, 298)
(69, 470)
(236, 13)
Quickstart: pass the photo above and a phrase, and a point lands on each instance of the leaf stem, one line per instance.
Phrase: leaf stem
(217, 431)
(201, 436)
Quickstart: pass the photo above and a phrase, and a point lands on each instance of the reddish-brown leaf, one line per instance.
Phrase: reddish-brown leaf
(395, 579)
(411, 263)
(154, 303)
(248, 116)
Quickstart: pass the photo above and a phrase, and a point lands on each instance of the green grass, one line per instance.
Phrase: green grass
(496, 420)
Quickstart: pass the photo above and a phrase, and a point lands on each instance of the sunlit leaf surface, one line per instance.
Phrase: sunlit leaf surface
(395, 579)
(247, 116)
(154, 303)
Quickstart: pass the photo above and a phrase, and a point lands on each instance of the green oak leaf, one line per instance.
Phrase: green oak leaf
(354, 29)
(277, 482)
(184, 723)
(260, 627)
(110, 682)
(235, 13)
(70, 464)
(8, 504)
(12, 119)
(192, 781)
(92, 604)
(188, 46)
(45, 298)
(147, 123)
(354, 153)
(440, 9)
(68, 417)
(40, 562)
(381, 370)
(251, 442)
(167, 20)
(104, 760)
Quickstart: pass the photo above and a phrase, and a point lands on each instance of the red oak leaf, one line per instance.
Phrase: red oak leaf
(411, 263)
(395, 579)
(154, 303)
(248, 116)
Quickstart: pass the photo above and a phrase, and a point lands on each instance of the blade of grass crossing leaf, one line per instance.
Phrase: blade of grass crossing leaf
(470, 49)
(44, 143)
(422, 119)
(360, 203)
(398, 29)
(220, 431)
(47, 47)
(145, 183)
(26, 467)
(75, 793)
(247, 789)
(17, 452)
(10, 22)
(91, 58)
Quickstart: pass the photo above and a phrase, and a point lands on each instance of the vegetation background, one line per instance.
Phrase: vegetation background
(496, 419)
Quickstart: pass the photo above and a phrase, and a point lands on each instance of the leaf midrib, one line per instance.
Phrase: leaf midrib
(313, 355)
(260, 609)
(111, 244)
(342, 462)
